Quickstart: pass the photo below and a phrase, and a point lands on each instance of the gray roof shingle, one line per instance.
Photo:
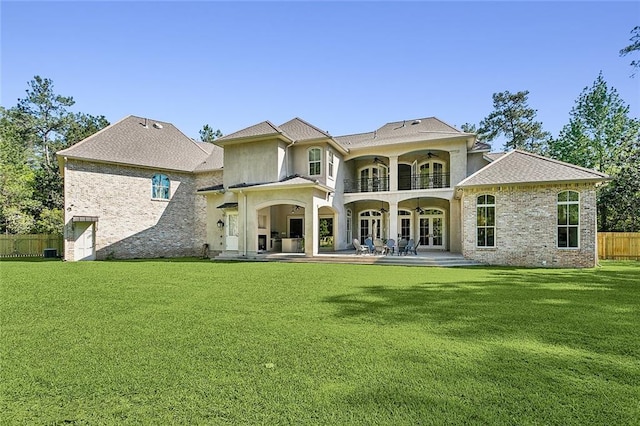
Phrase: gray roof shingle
(520, 167)
(420, 129)
(300, 130)
(158, 145)
(264, 128)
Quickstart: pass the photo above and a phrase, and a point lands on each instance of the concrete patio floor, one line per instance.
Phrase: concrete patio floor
(423, 258)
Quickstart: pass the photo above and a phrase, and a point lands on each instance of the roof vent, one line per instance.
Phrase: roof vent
(157, 125)
(416, 122)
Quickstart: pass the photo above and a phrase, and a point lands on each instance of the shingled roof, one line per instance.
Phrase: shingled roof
(143, 142)
(265, 128)
(300, 130)
(419, 129)
(520, 167)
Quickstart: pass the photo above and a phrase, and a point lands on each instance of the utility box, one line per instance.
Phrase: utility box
(50, 253)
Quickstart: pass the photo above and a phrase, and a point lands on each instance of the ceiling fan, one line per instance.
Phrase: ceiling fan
(419, 209)
(431, 154)
(382, 209)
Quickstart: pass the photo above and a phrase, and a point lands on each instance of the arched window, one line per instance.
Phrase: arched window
(568, 219)
(315, 161)
(432, 175)
(160, 187)
(486, 221)
(374, 178)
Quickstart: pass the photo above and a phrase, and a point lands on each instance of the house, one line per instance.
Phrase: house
(141, 188)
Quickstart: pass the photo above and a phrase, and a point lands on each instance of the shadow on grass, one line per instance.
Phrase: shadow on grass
(541, 346)
(594, 310)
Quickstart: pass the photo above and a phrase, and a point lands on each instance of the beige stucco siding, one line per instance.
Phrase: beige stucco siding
(526, 226)
(254, 162)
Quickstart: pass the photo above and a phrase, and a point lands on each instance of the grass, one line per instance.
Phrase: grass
(162, 342)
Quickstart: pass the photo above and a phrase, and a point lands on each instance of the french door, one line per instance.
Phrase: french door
(432, 225)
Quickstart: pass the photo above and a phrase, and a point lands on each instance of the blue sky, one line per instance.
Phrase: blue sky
(347, 67)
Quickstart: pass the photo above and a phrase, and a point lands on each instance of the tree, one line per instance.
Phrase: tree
(31, 191)
(207, 134)
(633, 47)
(16, 177)
(600, 135)
(472, 128)
(514, 119)
(45, 113)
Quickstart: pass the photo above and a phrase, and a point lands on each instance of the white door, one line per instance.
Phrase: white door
(83, 241)
(232, 231)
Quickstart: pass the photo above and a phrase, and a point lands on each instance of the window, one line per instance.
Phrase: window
(370, 224)
(432, 175)
(331, 164)
(160, 187)
(315, 161)
(374, 178)
(349, 224)
(568, 219)
(486, 221)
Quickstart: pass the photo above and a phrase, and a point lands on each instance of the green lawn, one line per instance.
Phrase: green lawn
(163, 342)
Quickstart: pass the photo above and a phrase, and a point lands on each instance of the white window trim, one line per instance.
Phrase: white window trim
(577, 226)
(495, 218)
(331, 164)
(153, 187)
(309, 161)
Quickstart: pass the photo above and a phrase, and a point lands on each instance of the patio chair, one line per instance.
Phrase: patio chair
(360, 249)
(415, 248)
(369, 243)
(390, 247)
(379, 247)
(411, 247)
(402, 247)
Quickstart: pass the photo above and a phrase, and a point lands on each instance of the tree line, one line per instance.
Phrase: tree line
(600, 135)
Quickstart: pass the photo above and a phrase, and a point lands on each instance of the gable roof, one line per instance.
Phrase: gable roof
(264, 128)
(419, 129)
(142, 142)
(518, 167)
(300, 130)
(213, 162)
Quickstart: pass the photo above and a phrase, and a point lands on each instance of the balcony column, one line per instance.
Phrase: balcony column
(393, 173)
(393, 219)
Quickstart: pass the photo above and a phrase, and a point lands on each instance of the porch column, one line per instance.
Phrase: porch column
(311, 227)
(393, 174)
(393, 220)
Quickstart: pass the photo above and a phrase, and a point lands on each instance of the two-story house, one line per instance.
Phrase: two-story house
(141, 188)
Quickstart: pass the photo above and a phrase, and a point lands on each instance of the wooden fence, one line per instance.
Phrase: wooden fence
(32, 245)
(619, 245)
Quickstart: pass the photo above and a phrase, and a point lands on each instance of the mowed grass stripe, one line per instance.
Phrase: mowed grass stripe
(159, 342)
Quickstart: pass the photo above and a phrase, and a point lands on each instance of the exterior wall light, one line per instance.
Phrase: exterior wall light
(220, 223)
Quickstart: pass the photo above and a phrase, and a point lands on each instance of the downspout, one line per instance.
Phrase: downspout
(244, 227)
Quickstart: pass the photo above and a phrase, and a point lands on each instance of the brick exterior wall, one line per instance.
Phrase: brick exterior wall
(130, 223)
(526, 227)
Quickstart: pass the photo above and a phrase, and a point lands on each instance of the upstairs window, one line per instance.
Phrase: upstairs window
(568, 219)
(315, 161)
(331, 157)
(486, 221)
(160, 187)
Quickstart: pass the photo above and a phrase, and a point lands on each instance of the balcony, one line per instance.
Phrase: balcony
(405, 183)
(366, 185)
(424, 181)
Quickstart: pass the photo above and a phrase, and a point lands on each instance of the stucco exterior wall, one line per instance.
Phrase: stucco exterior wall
(252, 162)
(526, 227)
(130, 223)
